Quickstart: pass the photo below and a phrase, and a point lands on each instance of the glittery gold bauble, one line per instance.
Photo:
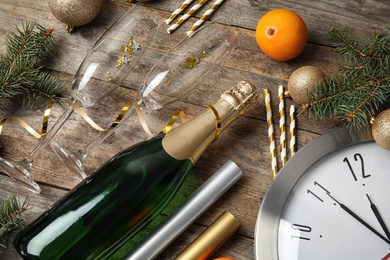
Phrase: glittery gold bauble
(381, 129)
(75, 12)
(302, 82)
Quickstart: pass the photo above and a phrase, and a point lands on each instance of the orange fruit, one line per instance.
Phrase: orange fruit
(281, 34)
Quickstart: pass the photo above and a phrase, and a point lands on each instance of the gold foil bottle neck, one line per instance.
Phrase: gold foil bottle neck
(189, 140)
(212, 238)
(241, 96)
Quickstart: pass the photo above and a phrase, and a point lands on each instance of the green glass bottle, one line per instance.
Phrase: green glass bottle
(115, 202)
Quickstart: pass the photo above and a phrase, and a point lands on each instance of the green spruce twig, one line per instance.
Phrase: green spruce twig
(21, 77)
(11, 217)
(361, 87)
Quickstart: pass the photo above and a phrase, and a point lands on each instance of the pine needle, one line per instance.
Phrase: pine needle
(21, 78)
(361, 87)
(11, 217)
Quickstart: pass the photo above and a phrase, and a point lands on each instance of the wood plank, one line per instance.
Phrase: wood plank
(320, 16)
(245, 142)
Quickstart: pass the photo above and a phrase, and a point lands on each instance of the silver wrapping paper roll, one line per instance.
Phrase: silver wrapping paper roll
(188, 212)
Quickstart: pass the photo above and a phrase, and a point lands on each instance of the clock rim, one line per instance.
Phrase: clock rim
(267, 223)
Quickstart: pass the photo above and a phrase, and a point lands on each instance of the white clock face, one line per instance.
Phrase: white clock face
(330, 201)
(340, 208)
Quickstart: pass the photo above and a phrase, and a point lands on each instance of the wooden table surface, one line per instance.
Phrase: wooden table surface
(245, 142)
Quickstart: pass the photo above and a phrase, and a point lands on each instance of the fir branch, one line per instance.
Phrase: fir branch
(361, 87)
(34, 41)
(44, 90)
(11, 216)
(345, 44)
(21, 78)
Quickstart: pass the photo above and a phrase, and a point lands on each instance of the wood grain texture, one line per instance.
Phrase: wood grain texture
(245, 142)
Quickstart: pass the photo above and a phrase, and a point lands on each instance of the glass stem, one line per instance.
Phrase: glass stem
(45, 140)
(83, 153)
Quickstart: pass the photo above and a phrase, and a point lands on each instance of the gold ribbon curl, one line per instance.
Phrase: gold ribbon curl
(45, 122)
(117, 121)
(218, 123)
(175, 116)
(90, 121)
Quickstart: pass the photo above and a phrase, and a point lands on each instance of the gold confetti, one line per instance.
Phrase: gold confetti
(109, 76)
(194, 58)
(128, 50)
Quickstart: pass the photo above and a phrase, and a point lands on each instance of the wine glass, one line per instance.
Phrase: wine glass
(109, 61)
(177, 73)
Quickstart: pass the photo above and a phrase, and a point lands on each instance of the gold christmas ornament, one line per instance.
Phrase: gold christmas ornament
(381, 129)
(302, 82)
(75, 12)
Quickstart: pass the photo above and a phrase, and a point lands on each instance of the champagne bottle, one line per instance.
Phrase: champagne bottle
(116, 201)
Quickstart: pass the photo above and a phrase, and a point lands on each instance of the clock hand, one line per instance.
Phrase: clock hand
(379, 217)
(353, 214)
(386, 257)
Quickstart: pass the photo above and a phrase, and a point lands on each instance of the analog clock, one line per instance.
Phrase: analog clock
(330, 201)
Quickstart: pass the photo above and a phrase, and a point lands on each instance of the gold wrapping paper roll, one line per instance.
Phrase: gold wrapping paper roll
(212, 238)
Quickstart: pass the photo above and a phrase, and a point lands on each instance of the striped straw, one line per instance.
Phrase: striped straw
(292, 130)
(282, 126)
(271, 134)
(178, 11)
(184, 17)
(204, 17)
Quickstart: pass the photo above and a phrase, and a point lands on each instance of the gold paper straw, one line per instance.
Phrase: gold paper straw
(292, 130)
(204, 17)
(271, 134)
(186, 16)
(282, 126)
(178, 11)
